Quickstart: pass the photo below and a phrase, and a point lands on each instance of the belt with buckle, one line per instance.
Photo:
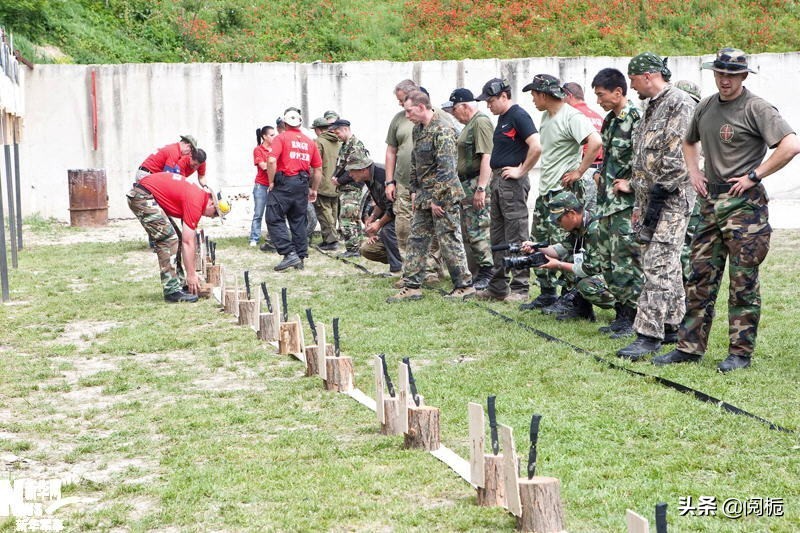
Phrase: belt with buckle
(142, 188)
(715, 189)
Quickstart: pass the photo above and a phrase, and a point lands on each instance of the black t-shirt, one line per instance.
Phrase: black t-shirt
(513, 127)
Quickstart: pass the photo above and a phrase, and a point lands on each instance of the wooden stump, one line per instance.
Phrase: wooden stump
(339, 374)
(312, 358)
(213, 275)
(247, 310)
(230, 300)
(289, 342)
(542, 511)
(205, 290)
(391, 417)
(493, 492)
(423, 428)
(266, 327)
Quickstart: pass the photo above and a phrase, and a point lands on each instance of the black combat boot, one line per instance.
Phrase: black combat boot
(612, 327)
(642, 346)
(734, 362)
(562, 303)
(670, 334)
(547, 297)
(180, 296)
(289, 260)
(483, 278)
(676, 356)
(578, 307)
(624, 327)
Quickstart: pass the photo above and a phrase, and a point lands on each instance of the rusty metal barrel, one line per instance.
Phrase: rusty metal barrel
(88, 197)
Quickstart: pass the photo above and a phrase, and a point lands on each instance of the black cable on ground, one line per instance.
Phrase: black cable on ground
(700, 395)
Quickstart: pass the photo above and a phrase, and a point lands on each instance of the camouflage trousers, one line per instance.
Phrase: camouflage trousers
(403, 213)
(158, 227)
(545, 230)
(350, 218)
(662, 300)
(736, 230)
(475, 227)
(447, 228)
(327, 209)
(686, 251)
(618, 255)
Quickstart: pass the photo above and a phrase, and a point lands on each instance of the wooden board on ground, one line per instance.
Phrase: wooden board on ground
(510, 469)
(477, 435)
(636, 522)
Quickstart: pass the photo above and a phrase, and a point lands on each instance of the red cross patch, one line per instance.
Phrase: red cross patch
(726, 133)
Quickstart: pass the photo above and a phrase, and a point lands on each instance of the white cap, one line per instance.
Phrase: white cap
(292, 118)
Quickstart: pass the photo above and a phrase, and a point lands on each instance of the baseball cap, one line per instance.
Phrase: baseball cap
(461, 95)
(493, 87)
(729, 61)
(563, 202)
(340, 122)
(190, 140)
(547, 84)
(320, 123)
(358, 162)
(292, 117)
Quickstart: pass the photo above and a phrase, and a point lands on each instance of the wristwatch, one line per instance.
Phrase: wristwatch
(480, 188)
(752, 176)
(389, 183)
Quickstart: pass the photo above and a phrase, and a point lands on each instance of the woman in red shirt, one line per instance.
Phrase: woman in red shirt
(261, 153)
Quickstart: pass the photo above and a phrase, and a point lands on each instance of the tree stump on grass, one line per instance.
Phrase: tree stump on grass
(230, 300)
(423, 428)
(542, 511)
(391, 417)
(213, 275)
(205, 290)
(247, 312)
(339, 374)
(493, 492)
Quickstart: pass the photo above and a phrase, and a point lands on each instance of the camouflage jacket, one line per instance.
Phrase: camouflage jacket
(617, 134)
(433, 176)
(657, 153)
(352, 148)
(583, 240)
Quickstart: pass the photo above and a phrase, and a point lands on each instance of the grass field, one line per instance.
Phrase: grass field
(173, 418)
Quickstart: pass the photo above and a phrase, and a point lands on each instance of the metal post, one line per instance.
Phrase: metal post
(3, 258)
(12, 218)
(19, 194)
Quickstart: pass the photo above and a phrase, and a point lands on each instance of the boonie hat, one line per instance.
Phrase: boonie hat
(320, 123)
(330, 115)
(358, 163)
(493, 87)
(547, 84)
(190, 140)
(563, 202)
(729, 61)
(689, 88)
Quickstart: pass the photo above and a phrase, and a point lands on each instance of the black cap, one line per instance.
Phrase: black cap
(339, 123)
(493, 87)
(460, 96)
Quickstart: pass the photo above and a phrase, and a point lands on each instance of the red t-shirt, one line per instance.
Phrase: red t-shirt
(295, 152)
(260, 155)
(164, 160)
(185, 166)
(597, 122)
(177, 197)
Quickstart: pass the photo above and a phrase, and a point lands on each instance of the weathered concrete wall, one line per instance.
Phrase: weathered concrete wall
(144, 106)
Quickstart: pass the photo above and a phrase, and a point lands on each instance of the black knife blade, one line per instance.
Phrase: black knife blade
(247, 283)
(267, 299)
(493, 424)
(336, 337)
(411, 382)
(389, 384)
(285, 304)
(535, 419)
(311, 324)
(213, 252)
(661, 517)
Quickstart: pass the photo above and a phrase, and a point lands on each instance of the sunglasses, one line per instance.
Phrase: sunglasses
(496, 88)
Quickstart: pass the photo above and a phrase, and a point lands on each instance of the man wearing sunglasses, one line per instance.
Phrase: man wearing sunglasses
(515, 151)
(735, 128)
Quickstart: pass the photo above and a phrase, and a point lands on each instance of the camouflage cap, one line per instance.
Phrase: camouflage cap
(330, 115)
(320, 123)
(358, 161)
(730, 61)
(191, 141)
(563, 202)
(547, 84)
(649, 62)
(690, 88)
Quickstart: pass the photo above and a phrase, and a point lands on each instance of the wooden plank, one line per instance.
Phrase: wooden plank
(322, 368)
(359, 396)
(458, 464)
(636, 522)
(256, 324)
(379, 384)
(477, 435)
(404, 396)
(510, 470)
(301, 355)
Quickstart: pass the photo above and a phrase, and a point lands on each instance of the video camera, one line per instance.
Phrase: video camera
(534, 260)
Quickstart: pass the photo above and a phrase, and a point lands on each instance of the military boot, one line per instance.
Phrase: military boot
(734, 362)
(624, 327)
(180, 296)
(461, 293)
(547, 297)
(670, 334)
(562, 303)
(611, 327)
(289, 260)
(578, 307)
(406, 294)
(676, 356)
(642, 346)
(483, 278)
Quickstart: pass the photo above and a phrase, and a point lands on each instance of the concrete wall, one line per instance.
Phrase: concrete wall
(144, 106)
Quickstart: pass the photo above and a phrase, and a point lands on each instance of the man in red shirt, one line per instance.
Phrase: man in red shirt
(293, 161)
(166, 158)
(195, 162)
(157, 196)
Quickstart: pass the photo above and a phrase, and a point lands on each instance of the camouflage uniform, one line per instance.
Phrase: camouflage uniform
(350, 194)
(433, 179)
(475, 223)
(735, 137)
(160, 231)
(658, 160)
(617, 250)
(327, 204)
